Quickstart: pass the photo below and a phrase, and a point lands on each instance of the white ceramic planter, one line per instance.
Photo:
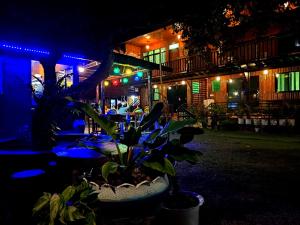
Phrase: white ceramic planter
(248, 121)
(282, 122)
(256, 122)
(291, 122)
(129, 192)
(264, 122)
(185, 215)
(241, 121)
(273, 122)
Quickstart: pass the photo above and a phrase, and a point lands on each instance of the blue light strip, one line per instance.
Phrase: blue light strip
(19, 48)
(15, 47)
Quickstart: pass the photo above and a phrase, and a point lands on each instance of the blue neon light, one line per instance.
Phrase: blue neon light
(136, 78)
(27, 173)
(77, 57)
(23, 49)
(18, 48)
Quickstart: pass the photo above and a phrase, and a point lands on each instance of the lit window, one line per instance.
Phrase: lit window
(173, 46)
(195, 87)
(288, 81)
(216, 85)
(156, 94)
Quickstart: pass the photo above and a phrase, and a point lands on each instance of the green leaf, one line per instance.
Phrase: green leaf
(69, 213)
(54, 208)
(91, 219)
(173, 126)
(131, 137)
(165, 166)
(108, 168)
(153, 116)
(62, 215)
(110, 148)
(41, 202)
(109, 126)
(152, 136)
(68, 193)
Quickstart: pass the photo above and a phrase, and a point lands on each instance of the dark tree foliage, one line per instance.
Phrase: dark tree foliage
(223, 23)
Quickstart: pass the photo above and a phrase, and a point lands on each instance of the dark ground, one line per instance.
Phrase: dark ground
(245, 178)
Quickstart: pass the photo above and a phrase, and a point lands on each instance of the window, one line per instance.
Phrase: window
(156, 56)
(216, 85)
(156, 94)
(195, 87)
(173, 46)
(288, 82)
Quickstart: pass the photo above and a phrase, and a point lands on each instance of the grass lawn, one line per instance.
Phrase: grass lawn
(246, 178)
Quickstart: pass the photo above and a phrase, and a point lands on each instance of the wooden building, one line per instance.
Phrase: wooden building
(254, 71)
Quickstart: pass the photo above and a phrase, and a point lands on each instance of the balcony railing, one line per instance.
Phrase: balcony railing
(245, 53)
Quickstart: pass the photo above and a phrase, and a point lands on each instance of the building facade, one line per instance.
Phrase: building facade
(255, 71)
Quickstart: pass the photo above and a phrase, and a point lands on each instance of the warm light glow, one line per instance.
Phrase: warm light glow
(170, 88)
(106, 83)
(183, 82)
(235, 93)
(178, 36)
(147, 46)
(173, 46)
(128, 71)
(230, 80)
(277, 75)
(115, 82)
(218, 78)
(81, 69)
(265, 72)
(147, 36)
(154, 86)
(286, 4)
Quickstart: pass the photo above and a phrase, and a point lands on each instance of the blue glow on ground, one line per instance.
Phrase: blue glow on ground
(27, 173)
(52, 163)
(19, 152)
(80, 153)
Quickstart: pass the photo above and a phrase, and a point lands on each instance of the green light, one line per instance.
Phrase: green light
(116, 70)
(140, 74)
(125, 80)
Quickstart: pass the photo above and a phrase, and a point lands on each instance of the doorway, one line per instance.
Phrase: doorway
(176, 96)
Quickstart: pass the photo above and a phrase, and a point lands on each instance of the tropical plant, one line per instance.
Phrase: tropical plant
(139, 157)
(50, 108)
(71, 206)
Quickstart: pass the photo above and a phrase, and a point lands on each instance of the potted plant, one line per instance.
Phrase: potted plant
(135, 174)
(74, 205)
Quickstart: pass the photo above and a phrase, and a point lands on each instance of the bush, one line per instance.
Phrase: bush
(229, 125)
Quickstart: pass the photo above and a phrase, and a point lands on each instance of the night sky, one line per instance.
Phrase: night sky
(85, 24)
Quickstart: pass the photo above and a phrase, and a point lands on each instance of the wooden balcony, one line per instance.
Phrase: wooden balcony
(251, 55)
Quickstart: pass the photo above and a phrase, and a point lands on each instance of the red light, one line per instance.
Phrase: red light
(115, 82)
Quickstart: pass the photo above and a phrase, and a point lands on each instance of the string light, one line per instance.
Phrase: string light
(106, 83)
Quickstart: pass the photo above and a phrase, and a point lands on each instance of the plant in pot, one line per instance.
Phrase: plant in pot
(74, 205)
(137, 167)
